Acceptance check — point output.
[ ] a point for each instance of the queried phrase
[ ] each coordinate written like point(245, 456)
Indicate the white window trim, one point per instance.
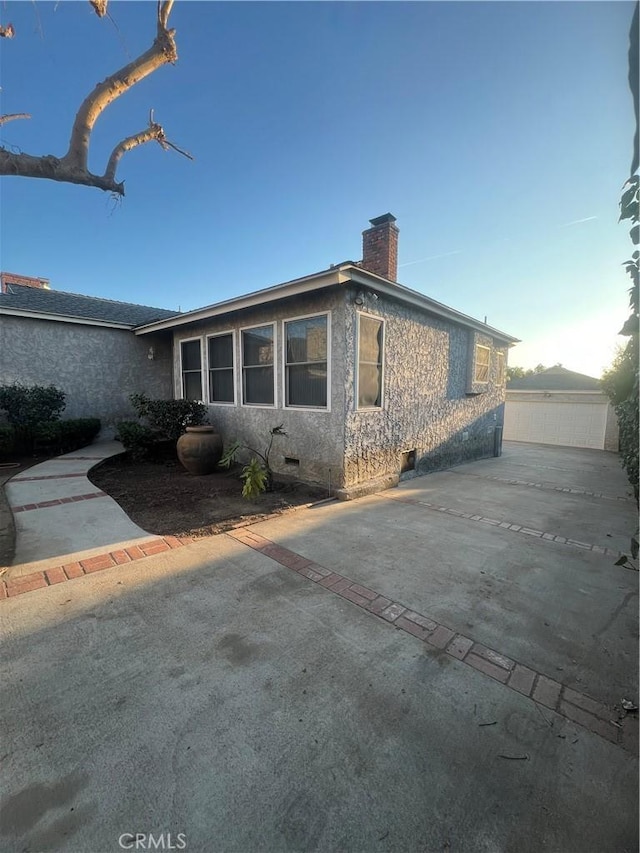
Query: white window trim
point(273, 405)
point(501, 356)
point(476, 347)
point(326, 408)
point(382, 371)
point(202, 370)
point(231, 332)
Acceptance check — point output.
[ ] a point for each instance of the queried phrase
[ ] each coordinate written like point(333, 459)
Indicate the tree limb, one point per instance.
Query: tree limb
point(162, 51)
point(13, 117)
point(153, 132)
point(73, 166)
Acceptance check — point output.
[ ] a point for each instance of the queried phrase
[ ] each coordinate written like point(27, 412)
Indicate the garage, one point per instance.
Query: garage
point(561, 407)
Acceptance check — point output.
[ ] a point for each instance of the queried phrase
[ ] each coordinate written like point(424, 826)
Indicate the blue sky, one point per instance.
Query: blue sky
point(498, 133)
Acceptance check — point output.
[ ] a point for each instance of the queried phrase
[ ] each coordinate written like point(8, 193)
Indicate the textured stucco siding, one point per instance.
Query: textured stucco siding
point(314, 437)
point(96, 367)
point(426, 404)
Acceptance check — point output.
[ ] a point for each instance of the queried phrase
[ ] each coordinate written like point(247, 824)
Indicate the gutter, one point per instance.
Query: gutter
point(64, 318)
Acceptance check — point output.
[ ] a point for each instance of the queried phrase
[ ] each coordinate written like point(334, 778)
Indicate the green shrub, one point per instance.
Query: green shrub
point(136, 438)
point(7, 441)
point(169, 417)
point(65, 436)
point(26, 407)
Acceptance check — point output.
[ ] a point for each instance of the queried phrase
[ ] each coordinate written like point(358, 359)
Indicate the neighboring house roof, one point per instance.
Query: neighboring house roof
point(555, 379)
point(344, 274)
point(56, 304)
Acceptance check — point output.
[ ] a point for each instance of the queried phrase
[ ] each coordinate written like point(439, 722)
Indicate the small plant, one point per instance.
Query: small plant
point(257, 473)
point(170, 418)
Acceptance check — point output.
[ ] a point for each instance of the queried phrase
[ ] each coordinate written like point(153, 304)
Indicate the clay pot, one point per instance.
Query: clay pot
point(200, 449)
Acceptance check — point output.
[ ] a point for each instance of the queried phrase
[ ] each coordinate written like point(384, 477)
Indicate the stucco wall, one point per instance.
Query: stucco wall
point(314, 437)
point(96, 367)
point(427, 406)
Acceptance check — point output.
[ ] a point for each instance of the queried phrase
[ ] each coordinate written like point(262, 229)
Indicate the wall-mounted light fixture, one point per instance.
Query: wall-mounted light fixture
point(151, 354)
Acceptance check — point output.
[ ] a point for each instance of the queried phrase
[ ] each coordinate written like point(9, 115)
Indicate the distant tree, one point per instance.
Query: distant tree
point(73, 166)
point(520, 372)
point(621, 381)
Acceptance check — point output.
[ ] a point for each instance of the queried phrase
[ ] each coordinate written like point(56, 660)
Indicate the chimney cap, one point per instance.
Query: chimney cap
point(383, 220)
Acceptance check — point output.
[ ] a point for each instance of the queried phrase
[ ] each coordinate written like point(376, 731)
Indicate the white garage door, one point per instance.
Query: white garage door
point(568, 424)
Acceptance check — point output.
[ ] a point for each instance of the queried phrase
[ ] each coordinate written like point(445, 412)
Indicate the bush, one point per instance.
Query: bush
point(170, 418)
point(136, 438)
point(27, 407)
point(65, 436)
point(7, 441)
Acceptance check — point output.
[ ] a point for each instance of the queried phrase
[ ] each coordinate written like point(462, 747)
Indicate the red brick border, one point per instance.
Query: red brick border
point(45, 477)
point(504, 525)
point(576, 707)
point(59, 501)
point(70, 571)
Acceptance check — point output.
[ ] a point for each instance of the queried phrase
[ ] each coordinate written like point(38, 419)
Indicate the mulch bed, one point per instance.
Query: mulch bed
point(163, 498)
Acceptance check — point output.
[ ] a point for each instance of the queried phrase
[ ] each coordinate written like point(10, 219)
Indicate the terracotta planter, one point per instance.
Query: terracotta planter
point(200, 449)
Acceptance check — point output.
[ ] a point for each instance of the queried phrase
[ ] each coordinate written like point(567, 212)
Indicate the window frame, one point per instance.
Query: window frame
point(477, 381)
point(274, 363)
point(299, 408)
point(501, 368)
point(182, 372)
point(208, 337)
point(382, 321)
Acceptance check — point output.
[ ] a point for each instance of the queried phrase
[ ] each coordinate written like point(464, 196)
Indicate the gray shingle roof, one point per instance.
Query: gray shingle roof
point(82, 307)
point(555, 379)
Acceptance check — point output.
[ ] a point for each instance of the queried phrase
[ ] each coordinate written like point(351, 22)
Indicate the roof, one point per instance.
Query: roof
point(57, 304)
point(555, 379)
point(343, 274)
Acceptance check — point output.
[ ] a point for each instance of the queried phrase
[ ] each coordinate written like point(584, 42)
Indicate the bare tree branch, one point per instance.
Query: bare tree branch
point(100, 7)
point(13, 117)
point(162, 51)
point(73, 166)
point(153, 132)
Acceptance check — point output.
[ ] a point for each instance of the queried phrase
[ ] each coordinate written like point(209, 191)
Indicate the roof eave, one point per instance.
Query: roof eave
point(419, 300)
point(298, 286)
point(63, 318)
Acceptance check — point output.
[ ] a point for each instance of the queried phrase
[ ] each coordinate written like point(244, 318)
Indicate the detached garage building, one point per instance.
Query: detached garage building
point(561, 407)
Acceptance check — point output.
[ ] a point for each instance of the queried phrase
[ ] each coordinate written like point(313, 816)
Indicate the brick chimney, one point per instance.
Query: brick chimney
point(380, 247)
point(7, 278)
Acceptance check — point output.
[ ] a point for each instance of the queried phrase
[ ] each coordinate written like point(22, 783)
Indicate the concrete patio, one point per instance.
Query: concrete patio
point(210, 690)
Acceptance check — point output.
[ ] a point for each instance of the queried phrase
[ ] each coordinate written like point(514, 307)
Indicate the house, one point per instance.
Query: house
point(82, 345)
point(559, 406)
point(369, 378)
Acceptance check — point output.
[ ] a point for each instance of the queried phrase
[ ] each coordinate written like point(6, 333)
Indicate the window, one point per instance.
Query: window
point(482, 361)
point(501, 369)
point(305, 364)
point(221, 385)
point(370, 350)
point(191, 366)
point(257, 366)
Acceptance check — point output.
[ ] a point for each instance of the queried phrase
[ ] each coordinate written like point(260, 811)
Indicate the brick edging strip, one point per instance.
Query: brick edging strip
point(69, 571)
point(574, 706)
point(45, 477)
point(505, 525)
point(58, 501)
point(548, 488)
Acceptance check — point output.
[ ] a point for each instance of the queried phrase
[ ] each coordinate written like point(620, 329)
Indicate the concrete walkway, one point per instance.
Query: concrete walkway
point(60, 516)
point(438, 668)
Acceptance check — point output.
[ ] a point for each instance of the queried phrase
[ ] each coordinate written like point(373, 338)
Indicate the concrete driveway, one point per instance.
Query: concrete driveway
point(434, 668)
